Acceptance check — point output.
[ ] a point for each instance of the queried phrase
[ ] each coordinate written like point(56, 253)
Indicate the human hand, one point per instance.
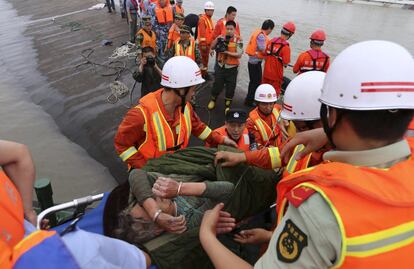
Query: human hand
point(175, 225)
point(210, 224)
point(211, 53)
point(227, 141)
point(226, 223)
point(228, 159)
point(143, 61)
point(253, 236)
point(165, 187)
point(31, 216)
point(313, 140)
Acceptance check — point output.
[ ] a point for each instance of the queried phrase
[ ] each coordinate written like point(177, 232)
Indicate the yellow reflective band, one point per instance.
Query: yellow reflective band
point(275, 114)
point(160, 133)
point(205, 133)
point(292, 162)
point(203, 39)
point(262, 130)
point(275, 157)
point(128, 153)
point(190, 48)
point(382, 241)
point(187, 119)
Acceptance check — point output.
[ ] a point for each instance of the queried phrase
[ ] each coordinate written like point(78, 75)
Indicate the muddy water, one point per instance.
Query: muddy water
point(344, 23)
point(72, 171)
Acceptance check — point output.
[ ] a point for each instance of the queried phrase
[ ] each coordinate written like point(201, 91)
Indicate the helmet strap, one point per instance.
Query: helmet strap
point(325, 123)
point(182, 96)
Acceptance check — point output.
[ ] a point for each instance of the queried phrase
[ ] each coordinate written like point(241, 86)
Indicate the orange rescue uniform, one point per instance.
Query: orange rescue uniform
point(149, 39)
point(173, 35)
point(244, 140)
point(410, 131)
point(178, 10)
point(276, 58)
point(205, 38)
point(189, 51)
point(311, 60)
point(148, 131)
point(220, 28)
point(374, 209)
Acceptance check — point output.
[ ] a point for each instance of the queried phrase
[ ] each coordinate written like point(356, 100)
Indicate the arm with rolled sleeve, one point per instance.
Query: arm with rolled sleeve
point(202, 131)
point(129, 136)
point(267, 158)
point(317, 224)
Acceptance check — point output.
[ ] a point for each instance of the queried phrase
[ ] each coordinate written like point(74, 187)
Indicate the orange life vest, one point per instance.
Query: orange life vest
point(251, 49)
point(274, 64)
point(164, 15)
point(410, 130)
point(317, 62)
point(11, 212)
point(222, 27)
point(373, 207)
point(173, 35)
point(179, 10)
point(189, 51)
point(159, 138)
point(148, 40)
point(270, 134)
point(209, 30)
point(231, 47)
point(244, 141)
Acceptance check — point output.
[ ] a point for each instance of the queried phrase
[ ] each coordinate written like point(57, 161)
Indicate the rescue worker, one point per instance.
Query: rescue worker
point(186, 45)
point(277, 57)
point(263, 120)
point(178, 7)
point(357, 209)
point(132, 10)
point(145, 36)
point(205, 35)
point(235, 128)
point(229, 50)
point(163, 19)
point(163, 120)
point(256, 51)
point(314, 59)
point(220, 28)
point(174, 32)
point(303, 112)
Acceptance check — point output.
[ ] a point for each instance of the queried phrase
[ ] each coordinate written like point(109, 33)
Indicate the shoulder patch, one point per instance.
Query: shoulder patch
point(290, 243)
point(298, 195)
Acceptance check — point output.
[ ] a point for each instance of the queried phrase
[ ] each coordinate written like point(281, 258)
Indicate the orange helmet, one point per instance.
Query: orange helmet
point(289, 27)
point(318, 35)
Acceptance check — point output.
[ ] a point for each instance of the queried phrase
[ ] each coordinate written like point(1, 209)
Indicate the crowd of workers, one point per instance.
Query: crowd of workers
point(342, 136)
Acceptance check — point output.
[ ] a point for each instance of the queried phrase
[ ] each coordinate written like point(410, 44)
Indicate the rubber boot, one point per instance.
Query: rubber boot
point(212, 104)
point(228, 104)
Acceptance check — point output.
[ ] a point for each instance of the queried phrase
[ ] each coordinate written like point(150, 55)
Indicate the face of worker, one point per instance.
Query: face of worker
point(302, 126)
point(189, 96)
point(230, 30)
point(184, 36)
point(148, 54)
point(265, 108)
point(209, 12)
point(231, 16)
point(147, 26)
point(179, 22)
point(235, 129)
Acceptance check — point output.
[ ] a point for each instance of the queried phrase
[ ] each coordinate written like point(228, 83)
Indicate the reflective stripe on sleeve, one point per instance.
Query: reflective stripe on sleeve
point(128, 153)
point(205, 133)
point(275, 157)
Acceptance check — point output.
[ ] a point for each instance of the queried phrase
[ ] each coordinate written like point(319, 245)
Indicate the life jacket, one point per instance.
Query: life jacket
point(318, 61)
point(309, 160)
point(231, 47)
point(410, 130)
point(274, 47)
point(189, 51)
point(251, 48)
point(173, 35)
point(160, 139)
point(148, 40)
point(373, 207)
point(11, 212)
point(178, 10)
point(273, 67)
point(43, 249)
point(244, 141)
point(222, 25)
point(270, 135)
point(164, 15)
point(209, 26)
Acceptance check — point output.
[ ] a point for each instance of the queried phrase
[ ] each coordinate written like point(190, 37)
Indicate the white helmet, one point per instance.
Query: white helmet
point(265, 93)
point(301, 99)
point(371, 75)
point(181, 72)
point(209, 5)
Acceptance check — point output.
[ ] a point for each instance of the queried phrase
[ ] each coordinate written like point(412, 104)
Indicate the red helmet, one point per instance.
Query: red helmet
point(290, 27)
point(318, 35)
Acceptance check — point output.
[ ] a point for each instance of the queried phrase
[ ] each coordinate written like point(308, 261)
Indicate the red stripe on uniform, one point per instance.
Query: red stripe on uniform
point(388, 90)
point(387, 84)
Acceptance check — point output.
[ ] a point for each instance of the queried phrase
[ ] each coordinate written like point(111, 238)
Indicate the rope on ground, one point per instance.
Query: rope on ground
point(124, 51)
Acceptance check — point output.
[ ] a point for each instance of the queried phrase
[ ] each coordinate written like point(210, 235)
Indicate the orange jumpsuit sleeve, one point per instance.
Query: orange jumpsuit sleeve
point(129, 137)
point(327, 66)
point(299, 63)
point(202, 32)
point(267, 158)
point(202, 131)
point(171, 36)
point(285, 54)
point(217, 29)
